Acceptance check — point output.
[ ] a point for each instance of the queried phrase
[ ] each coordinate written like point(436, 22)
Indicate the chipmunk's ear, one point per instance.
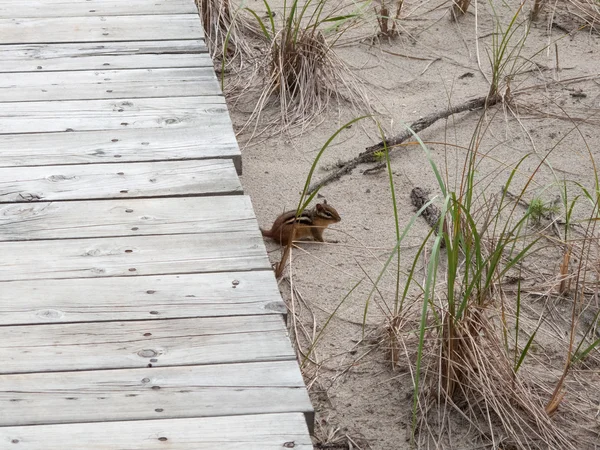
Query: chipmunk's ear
point(319, 207)
point(324, 201)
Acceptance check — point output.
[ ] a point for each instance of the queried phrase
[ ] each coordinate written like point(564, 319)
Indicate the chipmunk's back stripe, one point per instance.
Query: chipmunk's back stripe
point(303, 219)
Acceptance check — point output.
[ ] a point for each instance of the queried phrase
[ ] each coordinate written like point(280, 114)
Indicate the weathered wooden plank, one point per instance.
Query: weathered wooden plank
point(70, 8)
point(133, 255)
point(139, 298)
point(206, 141)
point(130, 217)
point(210, 139)
point(148, 343)
point(103, 56)
point(117, 114)
point(136, 394)
point(255, 432)
point(92, 85)
point(100, 29)
point(131, 180)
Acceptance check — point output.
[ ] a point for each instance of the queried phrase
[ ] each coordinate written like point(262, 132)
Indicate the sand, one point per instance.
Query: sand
point(362, 399)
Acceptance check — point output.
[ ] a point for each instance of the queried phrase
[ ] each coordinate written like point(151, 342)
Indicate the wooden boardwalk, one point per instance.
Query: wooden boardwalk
point(138, 309)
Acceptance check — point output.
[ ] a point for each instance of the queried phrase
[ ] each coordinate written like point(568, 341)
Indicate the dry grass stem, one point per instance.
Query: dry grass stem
point(224, 31)
point(460, 7)
point(584, 13)
point(537, 7)
point(565, 280)
point(388, 24)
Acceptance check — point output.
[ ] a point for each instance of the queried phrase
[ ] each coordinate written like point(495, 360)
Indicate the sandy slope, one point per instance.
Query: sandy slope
point(355, 390)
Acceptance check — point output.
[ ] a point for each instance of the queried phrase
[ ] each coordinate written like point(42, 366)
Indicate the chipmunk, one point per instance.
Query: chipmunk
point(311, 223)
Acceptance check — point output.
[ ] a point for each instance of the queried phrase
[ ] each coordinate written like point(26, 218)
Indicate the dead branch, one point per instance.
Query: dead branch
point(425, 122)
point(431, 213)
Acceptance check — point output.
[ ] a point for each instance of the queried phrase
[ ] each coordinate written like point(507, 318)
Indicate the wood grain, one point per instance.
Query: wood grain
point(100, 28)
point(136, 394)
point(129, 217)
point(118, 114)
point(131, 180)
point(138, 307)
point(70, 8)
point(92, 85)
point(148, 343)
point(104, 55)
point(253, 432)
point(139, 298)
point(133, 256)
point(210, 139)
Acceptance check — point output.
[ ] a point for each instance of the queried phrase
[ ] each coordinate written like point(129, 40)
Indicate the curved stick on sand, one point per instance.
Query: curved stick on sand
point(417, 126)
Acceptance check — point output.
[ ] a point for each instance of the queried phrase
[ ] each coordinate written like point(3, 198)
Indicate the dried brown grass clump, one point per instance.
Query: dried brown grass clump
point(223, 30)
point(291, 58)
point(302, 72)
point(388, 23)
point(585, 13)
point(299, 67)
point(474, 376)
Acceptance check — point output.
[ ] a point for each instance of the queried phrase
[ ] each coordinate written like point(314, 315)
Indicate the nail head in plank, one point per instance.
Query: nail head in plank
point(150, 255)
point(252, 432)
point(94, 85)
point(132, 298)
point(117, 114)
point(70, 8)
point(154, 343)
point(103, 56)
point(210, 139)
point(131, 180)
point(137, 394)
point(132, 217)
point(100, 29)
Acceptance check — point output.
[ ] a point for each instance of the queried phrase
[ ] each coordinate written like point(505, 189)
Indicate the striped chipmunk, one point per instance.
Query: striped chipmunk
point(310, 224)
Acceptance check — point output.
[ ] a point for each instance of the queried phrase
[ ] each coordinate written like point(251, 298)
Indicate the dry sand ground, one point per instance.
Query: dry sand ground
point(433, 63)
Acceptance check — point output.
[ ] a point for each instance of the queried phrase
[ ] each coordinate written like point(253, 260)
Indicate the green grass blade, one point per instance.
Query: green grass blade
point(580, 356)
point(526, 349)
point(270, 15)
point(389, 260)
point(261, 23)
point(429, 292)
point(396, 219)
point(314, 344)
point(302, 204)
point(438, 176)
